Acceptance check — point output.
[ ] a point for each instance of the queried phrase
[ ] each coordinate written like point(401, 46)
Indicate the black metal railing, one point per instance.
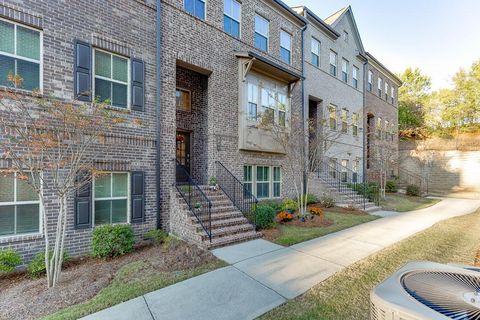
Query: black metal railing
point(407, 177)
point(237, 192)
point(349, 183)
point(198, 203)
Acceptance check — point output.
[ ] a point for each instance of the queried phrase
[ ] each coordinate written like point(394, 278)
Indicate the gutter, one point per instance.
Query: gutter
point(158, 107)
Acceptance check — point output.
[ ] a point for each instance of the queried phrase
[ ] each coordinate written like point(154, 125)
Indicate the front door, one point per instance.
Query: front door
point(183, 155)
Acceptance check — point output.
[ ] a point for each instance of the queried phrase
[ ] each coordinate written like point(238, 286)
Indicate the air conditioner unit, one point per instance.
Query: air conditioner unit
point(427, 290)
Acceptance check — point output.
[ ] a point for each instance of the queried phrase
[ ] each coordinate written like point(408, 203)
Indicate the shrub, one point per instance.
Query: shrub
point(289, 205)
point(327, 201)
point(391, 186)
point(275, 204)
point(212, 181)
point(155, 236)
point(311, 199)
point(316, 211)
point(284, 216)
point(370, 190)
point(413, 190)
point(112, 240)
point(265, 216)
point(36, 267)
point(9, 260)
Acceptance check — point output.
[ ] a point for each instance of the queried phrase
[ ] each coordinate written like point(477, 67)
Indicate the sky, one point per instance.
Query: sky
point(439, 37)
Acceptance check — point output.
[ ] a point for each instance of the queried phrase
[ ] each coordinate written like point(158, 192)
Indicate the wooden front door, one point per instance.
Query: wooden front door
point(183, 155)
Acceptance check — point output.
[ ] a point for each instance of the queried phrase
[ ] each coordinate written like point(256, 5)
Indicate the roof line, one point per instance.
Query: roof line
point(293, 13)
point(344, 9)
point(320, 21)
point(382, 66)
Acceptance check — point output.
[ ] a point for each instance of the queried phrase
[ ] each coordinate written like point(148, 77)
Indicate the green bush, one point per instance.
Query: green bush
point(289, 205)
point(370, 190)
point(413, 190)
point(311, 199)
point(275, 204)
point(265, 216)
point(9, 260)
point(156, 236)
point(36, 267)
point(391, 186)
point(112, 240)
point(327, 201)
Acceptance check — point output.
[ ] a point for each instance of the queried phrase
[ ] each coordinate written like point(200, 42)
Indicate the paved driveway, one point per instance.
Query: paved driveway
point(264, 275)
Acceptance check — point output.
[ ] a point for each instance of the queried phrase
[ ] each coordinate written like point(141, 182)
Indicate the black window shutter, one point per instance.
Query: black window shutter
point(83, 207)
point(138, 85)
point(138, 197)
point(82, 69)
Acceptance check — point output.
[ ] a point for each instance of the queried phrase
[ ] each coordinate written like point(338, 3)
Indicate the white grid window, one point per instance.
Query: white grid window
point(19, 206)
point(380, 87)
point(231, 17)
point(285, 46)
point(263, 181)
point(370, 80)
point(315, 52)
point(392, 94)
point(112, 78)
point(345, 70)
point(111, 198)
point(261, 32)
point(355, 72)
point(21, 55)
point(333, 63)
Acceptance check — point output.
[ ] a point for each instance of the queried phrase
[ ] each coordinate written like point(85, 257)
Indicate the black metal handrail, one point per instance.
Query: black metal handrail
point(237, 192)
point(409, 177)
point(349, 183)
point(197, 201)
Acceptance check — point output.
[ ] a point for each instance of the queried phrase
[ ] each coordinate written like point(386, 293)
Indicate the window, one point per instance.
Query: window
point(393, 133)
point(111, 201)
point(344, 121)
point(20, 54)
point(345, 36)
point(370, 80)
point(332, 167)
point(19, 206)
point(344, 70)
point(111, 78)
point(231, 17)
point(248, 180)
point(285, 46)
point(344, 169)
point(332, 110)
point(355, 166)
point(195, 7)
point(379, 128)
point(355, 124)
point(315, 52)
point(355, 72)
point(277, 182)
point(268, 107)
point(386, 90)
point(267, 100)
point(392, 94)
point(387, 130)
point(333, 63)
point(261, 33)
point(263, 181)
point(252, 102)
point(282, 108)
point(183, 100)
point(380, 87)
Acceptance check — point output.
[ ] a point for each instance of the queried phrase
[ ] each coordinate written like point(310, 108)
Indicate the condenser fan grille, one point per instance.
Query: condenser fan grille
point(454, 295)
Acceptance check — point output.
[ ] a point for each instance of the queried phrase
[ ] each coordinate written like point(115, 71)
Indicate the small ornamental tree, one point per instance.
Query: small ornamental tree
point(51, 144)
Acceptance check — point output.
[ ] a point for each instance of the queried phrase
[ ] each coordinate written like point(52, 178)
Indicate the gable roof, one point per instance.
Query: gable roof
point(308, 14)
point(335, 18)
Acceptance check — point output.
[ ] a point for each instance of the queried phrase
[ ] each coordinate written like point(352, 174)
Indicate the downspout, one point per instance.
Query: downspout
point(304, 113)
point(158, 106)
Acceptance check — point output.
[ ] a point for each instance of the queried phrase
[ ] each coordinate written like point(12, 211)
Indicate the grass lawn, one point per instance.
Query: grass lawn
point(288, 235)
point(346, 294)
point(402, 203)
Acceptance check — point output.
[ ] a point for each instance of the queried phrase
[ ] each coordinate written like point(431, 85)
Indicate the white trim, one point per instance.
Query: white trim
point(127, 197)
point(240, 17)
point(15, 56)
point(267, 36)
point(128, 83)
point(271, 182)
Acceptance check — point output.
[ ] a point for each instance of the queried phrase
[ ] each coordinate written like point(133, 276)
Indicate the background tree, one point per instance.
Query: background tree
point(51, 145)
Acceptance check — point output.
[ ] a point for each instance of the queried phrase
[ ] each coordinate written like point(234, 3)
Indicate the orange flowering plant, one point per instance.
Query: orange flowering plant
point(284, 216)
point(316, 211)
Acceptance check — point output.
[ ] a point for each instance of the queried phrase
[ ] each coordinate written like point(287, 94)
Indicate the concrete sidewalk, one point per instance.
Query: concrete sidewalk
point(264, 275)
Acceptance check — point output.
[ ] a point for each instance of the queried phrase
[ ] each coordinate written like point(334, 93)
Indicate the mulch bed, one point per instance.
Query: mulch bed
point(345, 210)
point(310, 222)
point(24, 298)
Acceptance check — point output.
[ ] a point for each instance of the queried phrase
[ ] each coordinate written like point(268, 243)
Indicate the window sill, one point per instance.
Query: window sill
point(22, 237)
point(127, 110)
point(36, 94)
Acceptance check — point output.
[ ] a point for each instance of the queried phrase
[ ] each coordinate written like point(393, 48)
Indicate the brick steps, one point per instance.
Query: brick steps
point(229, 240)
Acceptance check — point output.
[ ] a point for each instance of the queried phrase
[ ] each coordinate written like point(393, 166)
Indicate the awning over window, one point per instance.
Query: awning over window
point(259, 63)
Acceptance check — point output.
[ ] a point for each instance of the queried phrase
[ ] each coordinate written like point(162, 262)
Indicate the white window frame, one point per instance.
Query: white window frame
point(355, 72)
point(289, 37)
point(370, 81)
point(194, 13)
point(228, 15)
point(334, 55)
point(386, 90)
point(128, 83)
point(379, 87)
point(264, 35)
point(16, 203)
point(270, 181)
point(15, 56)
point(355, 124)
point(333, 108)
point(345, 64)
point(344, 119)
point(318, 45)
point(276, 181)
point(392, 94)
point(128, 197)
